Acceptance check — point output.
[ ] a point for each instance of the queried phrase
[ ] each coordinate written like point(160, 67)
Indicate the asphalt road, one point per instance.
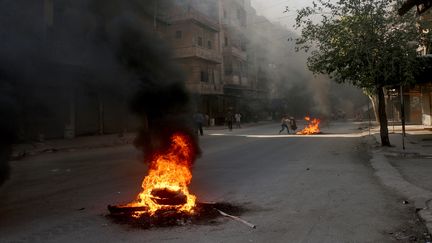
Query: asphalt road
point(297, 189)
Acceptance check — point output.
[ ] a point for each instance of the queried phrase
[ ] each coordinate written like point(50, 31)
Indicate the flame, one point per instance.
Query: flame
point(311, 128)
point(170, 172)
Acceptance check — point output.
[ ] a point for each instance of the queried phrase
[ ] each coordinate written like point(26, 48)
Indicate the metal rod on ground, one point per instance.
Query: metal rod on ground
point(237, 219)
point(402, 116)
point(208, 203)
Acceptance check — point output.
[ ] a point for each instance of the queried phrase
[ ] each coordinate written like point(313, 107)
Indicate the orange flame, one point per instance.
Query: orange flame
point(311, 128)
point(171, 172)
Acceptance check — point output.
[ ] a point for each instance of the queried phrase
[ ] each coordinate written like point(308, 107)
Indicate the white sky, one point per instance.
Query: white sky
point(274, 10)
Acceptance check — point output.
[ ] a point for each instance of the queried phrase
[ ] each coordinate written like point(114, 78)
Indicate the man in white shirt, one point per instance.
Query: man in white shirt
point(237, 117)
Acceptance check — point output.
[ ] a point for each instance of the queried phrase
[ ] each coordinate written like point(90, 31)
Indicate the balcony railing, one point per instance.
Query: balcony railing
point(236, 80)
point(209, 55)
point(205, 88)
point(239, 53)
point(198, 17)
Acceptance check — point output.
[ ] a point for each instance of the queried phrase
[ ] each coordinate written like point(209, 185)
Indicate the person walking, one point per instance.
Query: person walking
point(293, 123)
point(207, 120)
point(284, 124)
point(229, 120)
point(199, 120)
point(237, 117)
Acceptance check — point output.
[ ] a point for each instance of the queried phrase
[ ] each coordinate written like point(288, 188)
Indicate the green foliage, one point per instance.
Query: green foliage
point(363, 42)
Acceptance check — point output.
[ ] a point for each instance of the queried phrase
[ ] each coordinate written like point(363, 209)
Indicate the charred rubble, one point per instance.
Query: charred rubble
point(205, 213)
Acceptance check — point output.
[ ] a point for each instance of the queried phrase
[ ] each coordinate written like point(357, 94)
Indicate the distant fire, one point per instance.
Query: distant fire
point(312, 127)
point(166, 185)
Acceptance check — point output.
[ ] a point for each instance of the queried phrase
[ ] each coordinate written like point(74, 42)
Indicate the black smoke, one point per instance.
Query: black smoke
point(107, 46)
point(7, 126)
point(161, 100)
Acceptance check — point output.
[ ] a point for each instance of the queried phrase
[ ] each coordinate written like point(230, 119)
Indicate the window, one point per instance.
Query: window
point(178, 34)
point(224, 14)
point(204, 76)
point(209, 44)
point(200, 41)
point(228, 70)
point(226, 41)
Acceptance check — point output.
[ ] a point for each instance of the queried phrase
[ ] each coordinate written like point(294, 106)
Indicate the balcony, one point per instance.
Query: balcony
point(204, 88)
point(237, 52)
point(206, 54)
point(240, 81)
point(197, 17)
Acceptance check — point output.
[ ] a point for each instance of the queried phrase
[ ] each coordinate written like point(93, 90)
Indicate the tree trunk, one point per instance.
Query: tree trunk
point(374, 101)
point(382, 115)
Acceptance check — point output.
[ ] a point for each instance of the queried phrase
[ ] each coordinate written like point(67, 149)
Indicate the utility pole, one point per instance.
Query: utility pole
point(155, 14)
point(369, 116)
point(390, 105)
point(402, 116)
point(48, 9)
point(101, 114)
point(70, 126)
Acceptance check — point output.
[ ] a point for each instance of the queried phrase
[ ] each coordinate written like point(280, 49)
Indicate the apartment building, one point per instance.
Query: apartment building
point(234, 42)
point(194, 35)
point(225, 55)
point(57, 85)
point(209, 40)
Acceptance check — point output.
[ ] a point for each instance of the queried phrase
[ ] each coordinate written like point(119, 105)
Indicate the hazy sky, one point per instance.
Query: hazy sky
point(274, 10)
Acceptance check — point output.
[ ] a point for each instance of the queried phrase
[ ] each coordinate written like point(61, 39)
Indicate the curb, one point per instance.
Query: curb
point(426, 215)
point(48, 147)
point(391, 178)
point(19, 154)
point(243, 125)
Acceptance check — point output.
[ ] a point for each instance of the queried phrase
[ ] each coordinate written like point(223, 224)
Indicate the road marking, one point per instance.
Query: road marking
point(348, 135)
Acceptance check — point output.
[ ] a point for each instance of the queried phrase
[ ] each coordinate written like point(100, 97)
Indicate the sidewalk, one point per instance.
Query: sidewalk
point(407, 171)
point(415, 161)
point(243, 125)
point(80, 143)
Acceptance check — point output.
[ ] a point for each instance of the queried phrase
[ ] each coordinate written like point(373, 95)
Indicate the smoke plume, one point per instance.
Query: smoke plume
point(161, 100)
point(106, 47)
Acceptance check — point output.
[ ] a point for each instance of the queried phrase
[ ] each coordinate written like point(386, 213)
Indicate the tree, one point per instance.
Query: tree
point(362, 42)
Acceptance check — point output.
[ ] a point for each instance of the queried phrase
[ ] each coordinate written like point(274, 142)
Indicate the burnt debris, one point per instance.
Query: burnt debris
point(205, 213)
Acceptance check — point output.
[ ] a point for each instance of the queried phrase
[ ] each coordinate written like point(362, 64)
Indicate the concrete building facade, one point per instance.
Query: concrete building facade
point(194, 34)
point(211, 41)
point(418, 97)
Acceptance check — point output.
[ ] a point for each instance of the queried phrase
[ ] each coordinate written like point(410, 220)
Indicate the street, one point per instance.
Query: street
point(296, 189)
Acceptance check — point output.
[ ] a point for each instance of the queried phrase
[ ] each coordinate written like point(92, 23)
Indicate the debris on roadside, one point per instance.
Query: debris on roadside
point(206, 213)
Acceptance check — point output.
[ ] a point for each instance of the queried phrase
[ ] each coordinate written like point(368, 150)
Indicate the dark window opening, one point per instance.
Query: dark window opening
point(228, 70)
point(226, 41)
point(204, 76)
point(179, 34)
point(200, 41)
point(209, 45)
